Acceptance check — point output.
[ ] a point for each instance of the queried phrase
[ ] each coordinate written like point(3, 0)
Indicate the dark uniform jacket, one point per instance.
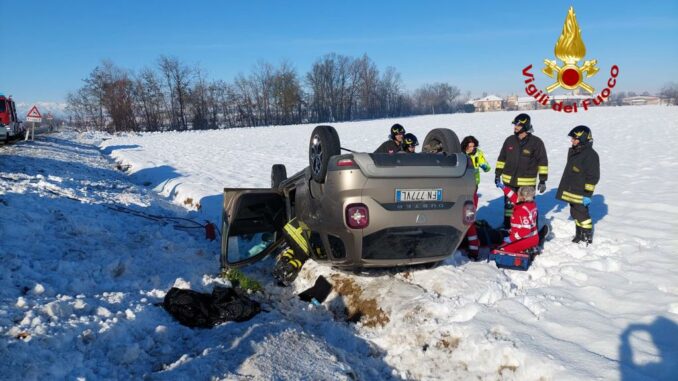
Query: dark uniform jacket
point(388, 146)
point(580, 176)
point(520, 162)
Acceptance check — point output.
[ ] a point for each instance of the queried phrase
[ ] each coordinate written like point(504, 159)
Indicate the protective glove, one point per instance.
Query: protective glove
point(586, 201)
point(484, 167)
point(541, 187)
point(497, 182)
point(507, 239)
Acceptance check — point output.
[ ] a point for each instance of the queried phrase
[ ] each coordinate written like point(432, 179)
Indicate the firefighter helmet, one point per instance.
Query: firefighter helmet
point(410, 140)
point(397, 129)
point(581, 133)
point(524, 121)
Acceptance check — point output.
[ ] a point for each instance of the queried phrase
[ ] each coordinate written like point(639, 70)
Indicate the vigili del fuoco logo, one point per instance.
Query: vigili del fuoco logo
point(570, 76)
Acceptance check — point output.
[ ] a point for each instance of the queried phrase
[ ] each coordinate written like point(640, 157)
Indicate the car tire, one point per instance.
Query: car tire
point(324, 144)
point(446, 137)
point(278, 175)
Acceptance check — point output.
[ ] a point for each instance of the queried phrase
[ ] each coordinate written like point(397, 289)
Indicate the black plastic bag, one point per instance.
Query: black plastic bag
point(196, 309)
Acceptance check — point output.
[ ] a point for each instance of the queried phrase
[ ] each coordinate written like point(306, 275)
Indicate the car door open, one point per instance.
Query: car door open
point(251, 225)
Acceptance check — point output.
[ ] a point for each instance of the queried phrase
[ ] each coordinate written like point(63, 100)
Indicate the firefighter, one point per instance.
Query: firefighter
point(294, 252)
point(410, 143)
point(395, 142)
point(470, 146)
point(522, 162)
point(580, 177)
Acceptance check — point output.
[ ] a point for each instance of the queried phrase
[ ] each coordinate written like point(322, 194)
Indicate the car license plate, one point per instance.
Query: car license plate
point(409, 195)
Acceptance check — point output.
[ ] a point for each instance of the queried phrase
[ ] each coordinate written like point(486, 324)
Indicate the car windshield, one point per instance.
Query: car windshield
point(2, 105)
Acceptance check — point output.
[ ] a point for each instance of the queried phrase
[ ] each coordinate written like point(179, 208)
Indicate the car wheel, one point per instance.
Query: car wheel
point(278, 174)
point(324, 144)
point(445, 137)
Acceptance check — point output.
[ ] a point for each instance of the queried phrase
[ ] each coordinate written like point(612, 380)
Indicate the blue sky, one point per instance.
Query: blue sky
point(49, 46)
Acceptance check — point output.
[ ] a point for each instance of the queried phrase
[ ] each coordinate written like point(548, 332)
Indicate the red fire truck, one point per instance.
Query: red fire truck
point(10, 126)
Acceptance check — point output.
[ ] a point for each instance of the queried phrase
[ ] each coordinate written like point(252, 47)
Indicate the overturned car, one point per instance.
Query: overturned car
point(358, 209)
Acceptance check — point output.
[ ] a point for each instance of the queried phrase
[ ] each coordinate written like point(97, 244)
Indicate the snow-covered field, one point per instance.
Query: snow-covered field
point(80, 281)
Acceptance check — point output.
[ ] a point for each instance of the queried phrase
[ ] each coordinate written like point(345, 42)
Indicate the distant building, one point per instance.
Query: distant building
point(488, 103)
point(641, 100)
point(514, 102)
point(667, 101)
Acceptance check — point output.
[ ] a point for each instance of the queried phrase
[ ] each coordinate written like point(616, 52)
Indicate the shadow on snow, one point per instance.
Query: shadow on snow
point(664, 335)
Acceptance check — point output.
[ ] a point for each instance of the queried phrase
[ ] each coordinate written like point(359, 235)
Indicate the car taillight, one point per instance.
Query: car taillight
point(468, 213)
point(358, 216)
point(345, 163)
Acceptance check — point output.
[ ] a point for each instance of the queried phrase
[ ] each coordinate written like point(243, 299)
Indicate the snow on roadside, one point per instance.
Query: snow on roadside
point(80, 283)
point(603, 311)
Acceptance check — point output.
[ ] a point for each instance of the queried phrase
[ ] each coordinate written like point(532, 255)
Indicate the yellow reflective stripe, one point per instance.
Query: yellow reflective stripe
point(571, 200)
point(506, 178)
point(577, 223)
point(508, 212)
point(297, 237)
point(500, 164)
point(587, 224)
point(543, 170)
point(296, 263)
point(522, 181)
point(589, 187)
point(572, 195)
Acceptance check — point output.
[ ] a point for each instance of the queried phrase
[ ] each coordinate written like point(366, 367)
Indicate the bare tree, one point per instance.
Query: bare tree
point(368, 75)
point(118, 97)
point(670, 93)
point(83, 108)
point(94, 87)
point(391, 94)
point(333, 87)
point(246, 108)
point(149, 99)
point(287, 95)
point(616, 99)
point(178, 97)
point(178, 78)
point(436, 98)
point(199, 101)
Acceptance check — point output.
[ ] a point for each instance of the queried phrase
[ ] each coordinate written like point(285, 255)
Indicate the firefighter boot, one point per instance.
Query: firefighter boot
point(587, 236)
point(578, 235)
point(287, 267)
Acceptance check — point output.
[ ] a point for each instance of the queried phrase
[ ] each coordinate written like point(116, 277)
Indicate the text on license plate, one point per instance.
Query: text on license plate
point(404, 195)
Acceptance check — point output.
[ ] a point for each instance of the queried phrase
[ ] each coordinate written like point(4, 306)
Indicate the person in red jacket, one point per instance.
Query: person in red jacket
point(523, 234)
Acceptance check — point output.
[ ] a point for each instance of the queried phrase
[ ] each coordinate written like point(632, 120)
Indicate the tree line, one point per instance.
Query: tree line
point(175, 96)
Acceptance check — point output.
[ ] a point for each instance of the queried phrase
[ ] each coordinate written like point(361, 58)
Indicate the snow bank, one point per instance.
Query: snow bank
point(80, 280)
